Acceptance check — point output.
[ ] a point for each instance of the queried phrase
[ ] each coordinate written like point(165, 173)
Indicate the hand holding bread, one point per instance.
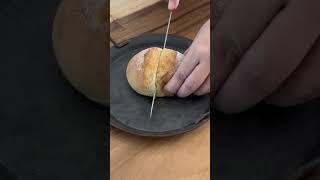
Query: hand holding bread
point(193, 75)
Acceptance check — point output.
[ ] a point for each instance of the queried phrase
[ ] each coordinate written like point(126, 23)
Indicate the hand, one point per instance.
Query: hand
point(173, 4)
point(266, 50)
point(192, 76)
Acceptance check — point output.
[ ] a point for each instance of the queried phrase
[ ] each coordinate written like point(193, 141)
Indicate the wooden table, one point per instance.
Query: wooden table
point(182, 157)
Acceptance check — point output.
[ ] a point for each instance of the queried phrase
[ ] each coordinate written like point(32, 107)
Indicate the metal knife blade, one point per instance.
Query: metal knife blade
point(164, 45)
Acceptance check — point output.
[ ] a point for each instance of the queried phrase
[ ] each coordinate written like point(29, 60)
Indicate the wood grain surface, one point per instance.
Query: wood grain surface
point(123, 8)
point(182, 157)
point(155, 18)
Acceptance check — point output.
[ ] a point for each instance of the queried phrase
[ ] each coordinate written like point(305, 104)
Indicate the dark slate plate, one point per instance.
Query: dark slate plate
point(129, 111)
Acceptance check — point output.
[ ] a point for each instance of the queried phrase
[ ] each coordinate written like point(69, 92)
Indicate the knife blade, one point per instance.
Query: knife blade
point(164, 45)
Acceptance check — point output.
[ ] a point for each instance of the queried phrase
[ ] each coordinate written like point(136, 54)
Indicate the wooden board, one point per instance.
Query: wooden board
point(190, 22)
point(154, 17)
point(183, 157)
point(123, 8)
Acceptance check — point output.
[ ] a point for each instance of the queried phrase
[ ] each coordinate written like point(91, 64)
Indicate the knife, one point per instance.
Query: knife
point(164, 45)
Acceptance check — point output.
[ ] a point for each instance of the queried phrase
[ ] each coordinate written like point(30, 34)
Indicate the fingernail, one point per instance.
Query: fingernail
point(167, 90)
point(169, 94)
point(198, 93)
point(171, 5)
point(182, 94)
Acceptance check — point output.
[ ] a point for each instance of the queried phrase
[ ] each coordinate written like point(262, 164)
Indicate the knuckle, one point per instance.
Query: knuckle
point(181, 75)
point(199, 93)
point(190, 87)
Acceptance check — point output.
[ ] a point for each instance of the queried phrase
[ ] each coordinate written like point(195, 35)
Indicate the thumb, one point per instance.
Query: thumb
point(173, 4)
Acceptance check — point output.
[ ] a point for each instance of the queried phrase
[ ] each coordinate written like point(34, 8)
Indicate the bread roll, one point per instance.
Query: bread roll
point(141, 70)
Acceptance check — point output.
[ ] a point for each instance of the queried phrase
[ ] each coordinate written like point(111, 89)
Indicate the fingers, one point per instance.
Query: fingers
point(303, 85)
point(195, 66)
point(173, 4)
point(194, 80)
point(273, 57)
point(239, 27)
point(204, 88)
point(184, 70)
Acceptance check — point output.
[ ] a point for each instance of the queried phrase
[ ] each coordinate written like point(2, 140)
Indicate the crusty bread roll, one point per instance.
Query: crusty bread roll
point(141, 70)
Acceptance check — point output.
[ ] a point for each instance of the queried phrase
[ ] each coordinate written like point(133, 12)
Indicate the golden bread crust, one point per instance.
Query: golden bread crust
point(141, 70)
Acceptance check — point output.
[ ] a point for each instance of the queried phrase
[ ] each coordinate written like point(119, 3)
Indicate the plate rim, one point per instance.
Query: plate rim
point(117, 124)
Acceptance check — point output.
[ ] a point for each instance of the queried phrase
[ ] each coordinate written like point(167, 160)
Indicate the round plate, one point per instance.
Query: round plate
point(129, 110)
